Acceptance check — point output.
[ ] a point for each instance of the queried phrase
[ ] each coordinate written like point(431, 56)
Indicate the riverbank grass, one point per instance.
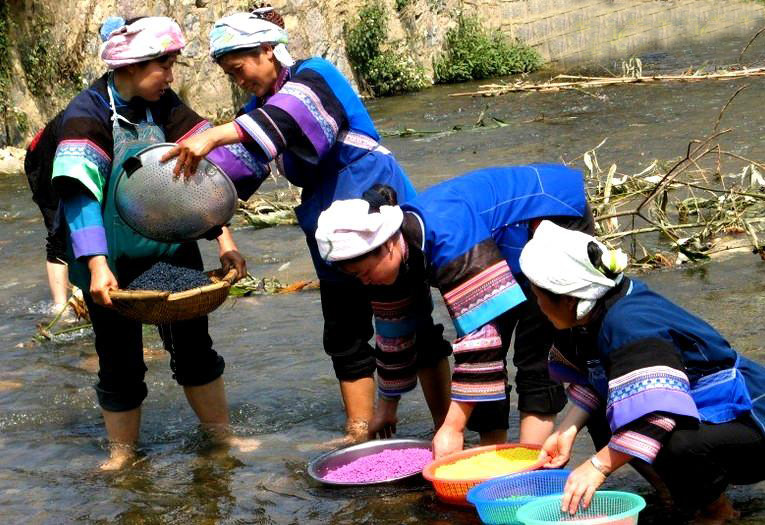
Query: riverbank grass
point(473, 52)
point(381, 69)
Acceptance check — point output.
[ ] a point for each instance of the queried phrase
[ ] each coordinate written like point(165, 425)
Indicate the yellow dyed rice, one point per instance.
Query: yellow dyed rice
point(489, 464)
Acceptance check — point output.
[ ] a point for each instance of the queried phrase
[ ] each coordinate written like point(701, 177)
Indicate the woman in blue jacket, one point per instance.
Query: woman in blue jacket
point(306, 117)
point(654, 384)
point(464, 236)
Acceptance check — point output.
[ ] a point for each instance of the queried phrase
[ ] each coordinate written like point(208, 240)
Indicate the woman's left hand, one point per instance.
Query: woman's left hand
point(232, 259)
point(190, 152)
point(580, 487)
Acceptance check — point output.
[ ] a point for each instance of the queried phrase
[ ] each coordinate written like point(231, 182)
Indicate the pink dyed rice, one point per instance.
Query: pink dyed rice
point(381, 466)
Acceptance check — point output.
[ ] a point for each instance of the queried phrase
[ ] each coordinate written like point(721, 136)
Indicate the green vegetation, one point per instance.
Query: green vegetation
point(473, 52)
point(5, 68)
point(48, 68)
point(381, 70)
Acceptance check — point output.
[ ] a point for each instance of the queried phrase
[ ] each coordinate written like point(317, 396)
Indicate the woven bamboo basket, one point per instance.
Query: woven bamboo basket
point(161, 307)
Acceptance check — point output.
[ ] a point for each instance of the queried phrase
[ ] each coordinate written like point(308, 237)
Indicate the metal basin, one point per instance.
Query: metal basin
point(166, 208)
point(321, 465)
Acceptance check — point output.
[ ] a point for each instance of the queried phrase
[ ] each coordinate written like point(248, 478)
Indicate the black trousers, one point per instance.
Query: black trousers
point(699, 461)
point(119, 345)
point(537, 393)
point(348, 327)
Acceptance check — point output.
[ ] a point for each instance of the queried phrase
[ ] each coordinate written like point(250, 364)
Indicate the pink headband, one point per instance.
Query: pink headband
point(144, 39)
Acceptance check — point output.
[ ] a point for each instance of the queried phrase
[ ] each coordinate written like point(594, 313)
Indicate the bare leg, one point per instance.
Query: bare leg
point(358, 398)
point(58, 281)
point(210, 405)
point(535, 428)
point(435, 382)
point(122, 429)
point(493, 437)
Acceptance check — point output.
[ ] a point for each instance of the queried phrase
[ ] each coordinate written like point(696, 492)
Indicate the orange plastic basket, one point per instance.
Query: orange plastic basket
point(454, 491)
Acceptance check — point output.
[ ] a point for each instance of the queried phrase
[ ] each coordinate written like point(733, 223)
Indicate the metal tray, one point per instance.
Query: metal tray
point(319, 466)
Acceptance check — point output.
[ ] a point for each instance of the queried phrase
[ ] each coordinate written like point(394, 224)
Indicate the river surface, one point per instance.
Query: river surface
point(280, 384)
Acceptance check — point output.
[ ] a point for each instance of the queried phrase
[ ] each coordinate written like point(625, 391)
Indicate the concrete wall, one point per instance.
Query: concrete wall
point(574, 31)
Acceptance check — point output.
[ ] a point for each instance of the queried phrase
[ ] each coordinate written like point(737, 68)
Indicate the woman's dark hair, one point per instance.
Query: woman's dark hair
point(596, 258)
point(269, 16)
point(380, 195)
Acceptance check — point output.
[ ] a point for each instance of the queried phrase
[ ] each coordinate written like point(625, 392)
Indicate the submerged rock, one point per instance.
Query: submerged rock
point(11, 160)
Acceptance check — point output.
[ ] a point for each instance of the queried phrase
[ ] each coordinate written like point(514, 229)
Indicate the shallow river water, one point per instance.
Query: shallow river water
point(280, 384)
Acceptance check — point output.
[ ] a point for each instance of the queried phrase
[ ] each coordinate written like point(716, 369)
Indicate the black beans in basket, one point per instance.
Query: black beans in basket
point(166, 277)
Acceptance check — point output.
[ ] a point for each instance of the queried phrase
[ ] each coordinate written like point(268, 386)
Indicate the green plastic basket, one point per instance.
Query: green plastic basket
point(606, 508)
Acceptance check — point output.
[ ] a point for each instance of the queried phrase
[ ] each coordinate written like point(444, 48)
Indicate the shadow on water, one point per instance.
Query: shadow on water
point(280, 383)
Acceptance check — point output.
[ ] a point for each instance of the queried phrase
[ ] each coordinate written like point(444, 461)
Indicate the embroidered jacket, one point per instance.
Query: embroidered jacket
point(646, 363)
point(471, 231)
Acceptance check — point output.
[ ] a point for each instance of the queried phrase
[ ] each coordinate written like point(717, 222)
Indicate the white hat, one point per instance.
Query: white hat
point(346, 229)
point(557, 259)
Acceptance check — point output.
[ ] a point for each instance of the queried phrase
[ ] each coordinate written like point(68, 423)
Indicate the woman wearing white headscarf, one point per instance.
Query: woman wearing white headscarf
point(306, 116)
point(654, 384)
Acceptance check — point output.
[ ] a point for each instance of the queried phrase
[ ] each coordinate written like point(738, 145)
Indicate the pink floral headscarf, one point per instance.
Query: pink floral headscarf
point(144, 39)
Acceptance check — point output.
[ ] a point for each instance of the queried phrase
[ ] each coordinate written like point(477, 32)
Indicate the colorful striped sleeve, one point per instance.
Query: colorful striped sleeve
point(304, 116)
point(644, 437)
point(86, 226)
point(584, 397)
point(85, 161)
point(479, 366)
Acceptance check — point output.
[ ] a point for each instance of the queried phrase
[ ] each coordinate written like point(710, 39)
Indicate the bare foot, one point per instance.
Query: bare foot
point(243, 444)
point(717, 513)
point(356, 431)
point(120, 455)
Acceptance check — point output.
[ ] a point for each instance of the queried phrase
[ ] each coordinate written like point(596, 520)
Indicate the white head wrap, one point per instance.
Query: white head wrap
point(346, 229)
point(556, 259)
point(247, 31)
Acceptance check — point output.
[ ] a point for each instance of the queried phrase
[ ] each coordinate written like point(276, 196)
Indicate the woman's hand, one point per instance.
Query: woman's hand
point(194, 148)
point(101, 280)
point(383, 423)
point(447, 440)
point(232, 259)
point(580, 487)
point(229, 254)
point(558, 447)
point(190, 152)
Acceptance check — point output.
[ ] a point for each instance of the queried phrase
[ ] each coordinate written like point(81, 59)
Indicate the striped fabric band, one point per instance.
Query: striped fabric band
point(478, 392)
point(663, 422)
point(86, 225)
point(483, 297)
point(479, 367)
point(201, 126)
point(85, 161)
point(357, 140)
point(635, 444)
point(645, 390)
point(583, 397)
point(395, 327)
point(259, 135)
point(306, 109)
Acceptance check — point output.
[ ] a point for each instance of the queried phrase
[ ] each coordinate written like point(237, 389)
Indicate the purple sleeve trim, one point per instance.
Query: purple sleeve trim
point(307, 122)
point(89, 241)
point(627, 410)
point(244, 170)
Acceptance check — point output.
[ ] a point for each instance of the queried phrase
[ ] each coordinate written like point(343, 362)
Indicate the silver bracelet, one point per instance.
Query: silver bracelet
point(599, 466)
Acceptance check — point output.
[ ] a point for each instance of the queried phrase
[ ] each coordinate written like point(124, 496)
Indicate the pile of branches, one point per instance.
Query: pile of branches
point(633, 75)
point(271, 209)
point(708, 201)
